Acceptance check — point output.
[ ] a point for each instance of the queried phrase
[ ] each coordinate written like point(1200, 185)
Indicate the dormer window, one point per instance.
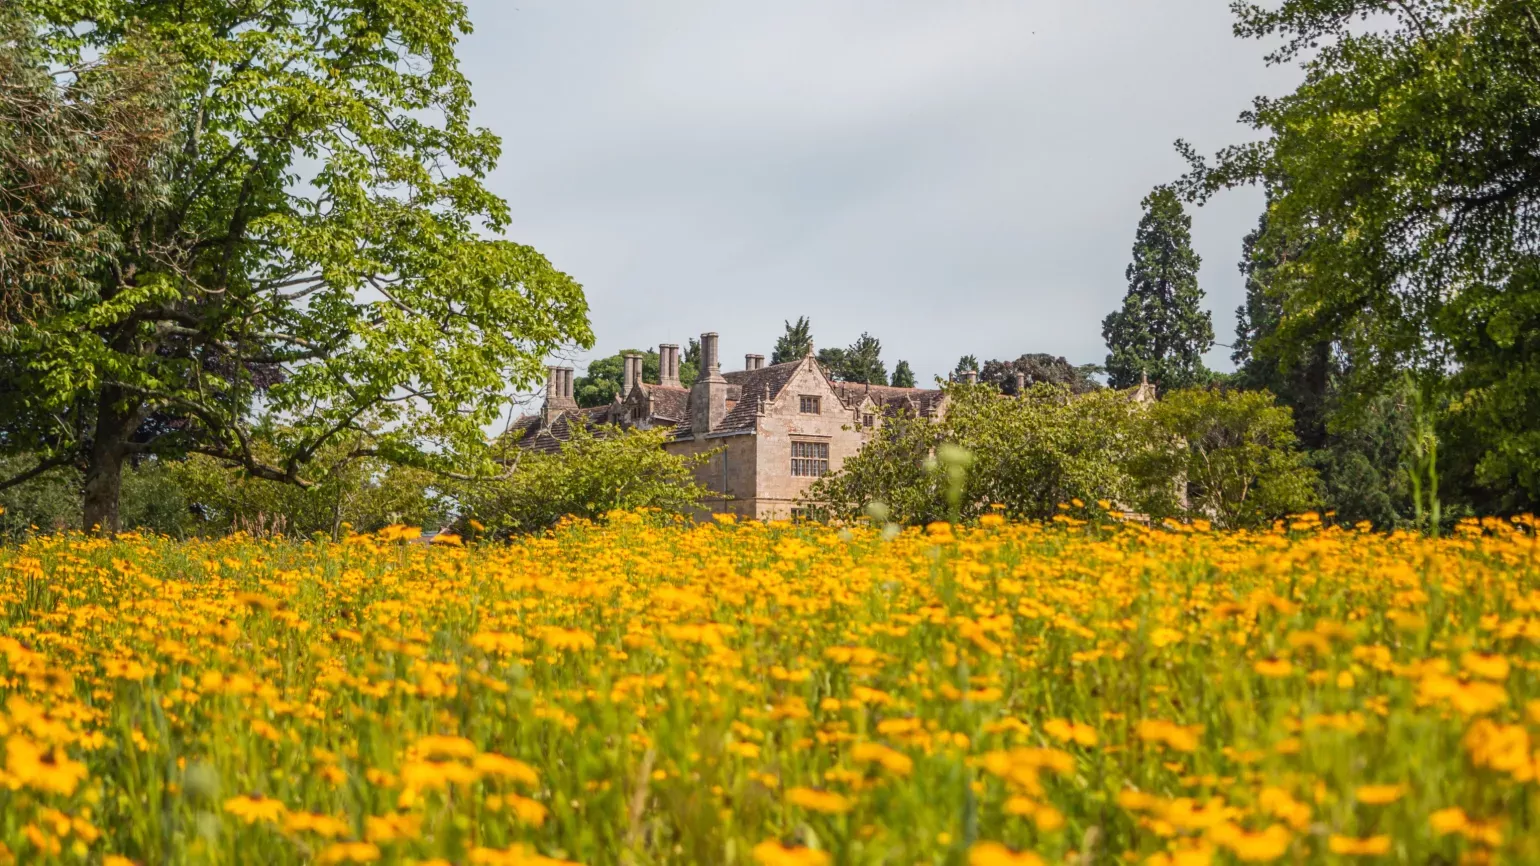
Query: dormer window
point(868, 420)
point(810, 405)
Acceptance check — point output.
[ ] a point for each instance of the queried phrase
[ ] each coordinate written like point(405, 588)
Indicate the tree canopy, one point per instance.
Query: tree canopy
point(1404, 210)
point(860, 362)
point(313, 235)
point(795, 344)
point(1040, 369)
point(1161, 330)
point(903, 376)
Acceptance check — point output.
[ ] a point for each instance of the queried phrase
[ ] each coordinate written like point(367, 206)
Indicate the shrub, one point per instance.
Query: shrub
point(592, 474)
point(1027, 454)
point(1239, 456)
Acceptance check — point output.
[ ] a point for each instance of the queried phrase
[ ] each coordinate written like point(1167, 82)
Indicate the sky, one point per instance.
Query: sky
point(955, 178)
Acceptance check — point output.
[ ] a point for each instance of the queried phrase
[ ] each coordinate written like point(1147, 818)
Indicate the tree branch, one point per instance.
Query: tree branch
point(39, 469)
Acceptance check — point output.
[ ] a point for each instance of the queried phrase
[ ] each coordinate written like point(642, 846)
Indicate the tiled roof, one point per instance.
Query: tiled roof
point(672, 404)
point(747, 390)
point(889, 399)
point(530, 433)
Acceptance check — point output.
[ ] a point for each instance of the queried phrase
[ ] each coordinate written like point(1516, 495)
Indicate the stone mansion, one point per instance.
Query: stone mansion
point(774, 428)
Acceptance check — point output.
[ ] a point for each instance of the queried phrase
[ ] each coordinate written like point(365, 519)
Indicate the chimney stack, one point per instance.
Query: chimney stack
point(668, 365)
point(972, 377)
point(708, 397)
point(753, 362)
point(558, 393)
point(1021, 383)
point(632, 375)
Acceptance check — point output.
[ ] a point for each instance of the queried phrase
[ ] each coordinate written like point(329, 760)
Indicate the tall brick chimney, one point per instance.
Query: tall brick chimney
point(972, 377)
point(753, 362)
point(1021, 383)
point(708, 397)
point(668, 365)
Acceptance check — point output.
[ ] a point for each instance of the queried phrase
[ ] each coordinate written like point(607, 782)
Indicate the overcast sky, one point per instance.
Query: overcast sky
point(955, 177)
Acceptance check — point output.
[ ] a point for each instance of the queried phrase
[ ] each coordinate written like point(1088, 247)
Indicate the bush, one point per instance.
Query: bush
point(1028, 454)
point(1238, 454)
point(593, 473)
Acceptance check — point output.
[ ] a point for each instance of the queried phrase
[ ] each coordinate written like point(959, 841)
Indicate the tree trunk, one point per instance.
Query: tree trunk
point(115, 423)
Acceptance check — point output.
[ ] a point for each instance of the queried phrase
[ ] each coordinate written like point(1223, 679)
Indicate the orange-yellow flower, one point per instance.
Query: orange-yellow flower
point(995, 854)
point(252, 808)
point(827, 802)
point(1379, 795)
point(1371, 846)
point(773, 853)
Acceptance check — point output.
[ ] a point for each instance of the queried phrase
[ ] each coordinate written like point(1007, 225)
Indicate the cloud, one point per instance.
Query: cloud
point(954, 178)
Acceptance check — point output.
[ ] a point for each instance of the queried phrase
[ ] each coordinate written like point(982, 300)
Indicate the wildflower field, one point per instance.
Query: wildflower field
point(639, 692)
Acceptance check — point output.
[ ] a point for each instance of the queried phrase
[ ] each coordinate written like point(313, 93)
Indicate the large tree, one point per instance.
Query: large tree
point(861, 362)
point(795, 344)
point(903, 375)
point(1409, 158)
point(1161, 330)
point(318, 240)
point(1039, 369)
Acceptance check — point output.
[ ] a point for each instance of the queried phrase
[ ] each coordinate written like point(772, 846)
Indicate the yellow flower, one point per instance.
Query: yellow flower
point(567, 639)
point(1372, 846)
point(321, 825)
point(995, 854)
point(349, 852)
point(772, 853)
point(1446, 821)
point(827, 802)
point(891, 760)
point(1253, 847)
point(252, 808)
point(1274, 666)
point(43, 769)
point(491, 764)
point(1379, 795)
point(1067, 731)
point(1488, 666)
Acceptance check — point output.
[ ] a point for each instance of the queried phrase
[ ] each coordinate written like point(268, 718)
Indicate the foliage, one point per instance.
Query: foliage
point(1161, 330)
point(1027, 454)
point(1040, 369)
point(1361, 466)
point(1002, 694)
point(107, 128)
point(593, 472)
point(903, 376)
point(896, 469)
point(606, 376)
point(861, 362)
point(49, 501)
point(350, 492)
point(1405, 207)
point(319, 235)
point(795, 344)
point(965, 365)
point(1238, 455)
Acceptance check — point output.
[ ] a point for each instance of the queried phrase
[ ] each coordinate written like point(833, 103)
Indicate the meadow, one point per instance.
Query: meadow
point(639, 691)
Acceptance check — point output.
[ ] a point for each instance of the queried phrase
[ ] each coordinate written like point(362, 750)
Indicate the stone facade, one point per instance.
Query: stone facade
point(768, 428)
point(755, 423)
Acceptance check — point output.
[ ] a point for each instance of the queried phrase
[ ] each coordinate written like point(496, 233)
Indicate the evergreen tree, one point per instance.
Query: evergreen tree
point(903, 377)
point(965, 364)
point(1160, 331)
point(795, 344)
point(860, 362)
